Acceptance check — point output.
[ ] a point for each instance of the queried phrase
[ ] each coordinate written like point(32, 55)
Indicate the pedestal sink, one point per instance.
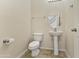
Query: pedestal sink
point(55, 35)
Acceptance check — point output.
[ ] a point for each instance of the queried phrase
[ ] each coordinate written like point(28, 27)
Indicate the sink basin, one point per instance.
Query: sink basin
point(55, 33)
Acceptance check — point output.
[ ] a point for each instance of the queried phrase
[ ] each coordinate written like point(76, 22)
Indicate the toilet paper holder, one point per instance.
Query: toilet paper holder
point(5, 41)
point(8, 41)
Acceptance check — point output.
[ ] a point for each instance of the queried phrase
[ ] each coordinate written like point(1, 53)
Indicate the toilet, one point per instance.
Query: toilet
point(34, 46)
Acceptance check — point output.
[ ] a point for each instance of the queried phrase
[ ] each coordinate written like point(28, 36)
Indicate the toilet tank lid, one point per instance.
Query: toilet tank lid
point(37, 33)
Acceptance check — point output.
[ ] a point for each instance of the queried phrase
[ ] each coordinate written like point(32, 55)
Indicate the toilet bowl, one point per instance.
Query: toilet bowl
point(35, 45)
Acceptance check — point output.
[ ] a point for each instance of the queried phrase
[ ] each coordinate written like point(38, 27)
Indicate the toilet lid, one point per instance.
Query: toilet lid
point(34, 44)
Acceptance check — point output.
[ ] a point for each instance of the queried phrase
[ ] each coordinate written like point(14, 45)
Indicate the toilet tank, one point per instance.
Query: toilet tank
point(38, 36)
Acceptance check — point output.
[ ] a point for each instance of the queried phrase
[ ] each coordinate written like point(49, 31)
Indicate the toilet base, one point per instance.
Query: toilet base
point(35, 52)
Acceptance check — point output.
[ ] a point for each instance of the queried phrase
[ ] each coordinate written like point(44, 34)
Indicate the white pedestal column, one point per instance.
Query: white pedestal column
point(56, 52)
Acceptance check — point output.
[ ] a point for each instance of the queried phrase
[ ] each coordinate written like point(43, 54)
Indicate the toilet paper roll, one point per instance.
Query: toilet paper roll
point(11, 40)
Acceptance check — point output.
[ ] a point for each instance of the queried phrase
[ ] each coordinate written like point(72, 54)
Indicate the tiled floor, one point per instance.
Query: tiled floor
point(44, 54)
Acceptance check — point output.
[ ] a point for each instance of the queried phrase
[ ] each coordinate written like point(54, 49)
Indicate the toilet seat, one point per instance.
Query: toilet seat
point(34, 44)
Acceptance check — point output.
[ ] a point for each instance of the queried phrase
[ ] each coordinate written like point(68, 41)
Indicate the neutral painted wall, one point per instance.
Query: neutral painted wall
point(15, 22)
point(69, 35)
point(41, 9)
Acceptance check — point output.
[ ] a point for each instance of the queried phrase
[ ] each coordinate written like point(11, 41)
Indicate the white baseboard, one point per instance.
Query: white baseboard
point(67, 54)
point(52, 49)
point(21, 54)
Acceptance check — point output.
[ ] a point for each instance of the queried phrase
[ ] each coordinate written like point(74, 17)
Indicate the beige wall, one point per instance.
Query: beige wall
point(69, 25)
point(15, 22)
point(41, 8)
